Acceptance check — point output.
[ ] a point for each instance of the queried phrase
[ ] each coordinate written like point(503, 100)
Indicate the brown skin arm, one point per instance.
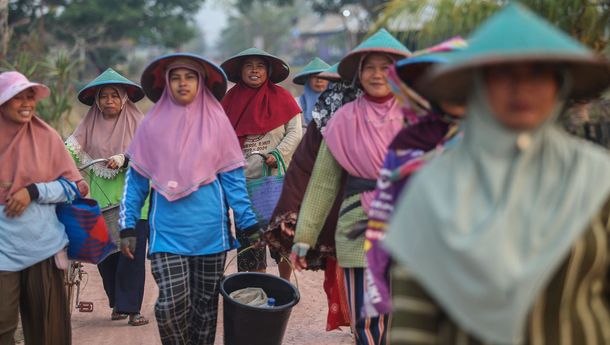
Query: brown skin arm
point(17, 203)
point(83, 187)
point(271, 161)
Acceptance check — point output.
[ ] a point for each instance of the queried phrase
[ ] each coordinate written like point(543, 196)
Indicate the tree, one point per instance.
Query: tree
point(103, 29)
point(373, 7)
point(262, 24)
point(586, 20)
point(57, 72)
point(4, 28)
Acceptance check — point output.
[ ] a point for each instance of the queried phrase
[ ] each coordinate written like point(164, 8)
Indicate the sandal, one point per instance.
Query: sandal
point(137, 320)
point(118, 316)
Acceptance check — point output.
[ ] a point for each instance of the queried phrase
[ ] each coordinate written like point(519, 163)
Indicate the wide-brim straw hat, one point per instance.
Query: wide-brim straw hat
point(530, 39)
point(315, 67)
point(380, 42)
point(110, 77)
point(413, 68)
point(13, 82)
point(331, 74)
point(153, 77)
point(279, 69)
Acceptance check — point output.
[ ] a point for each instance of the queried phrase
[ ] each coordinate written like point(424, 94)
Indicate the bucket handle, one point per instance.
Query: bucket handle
point(294, 271)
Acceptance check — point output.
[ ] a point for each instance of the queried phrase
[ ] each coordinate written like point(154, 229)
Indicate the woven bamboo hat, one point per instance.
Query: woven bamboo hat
point(380, 42)
point(153, 77)
point(110, 77)
point(315, 67)
point(413, 68)
point(331, 73)
point(530, 39)
point(279, 69)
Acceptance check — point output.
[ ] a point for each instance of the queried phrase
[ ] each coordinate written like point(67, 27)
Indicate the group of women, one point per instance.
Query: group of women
point(175, 172)
point(433, 188)
point(466, 215)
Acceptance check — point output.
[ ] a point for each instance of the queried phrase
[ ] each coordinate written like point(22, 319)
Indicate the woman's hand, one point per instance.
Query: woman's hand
point(288, 224)
point(83, 187)
point(271, 161)
point(297, 256)
point(17, 203)
point(116, 161)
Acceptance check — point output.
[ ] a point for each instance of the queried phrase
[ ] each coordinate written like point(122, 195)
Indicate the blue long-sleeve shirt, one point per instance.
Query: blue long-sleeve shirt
point(197, 224)
point(37, 234)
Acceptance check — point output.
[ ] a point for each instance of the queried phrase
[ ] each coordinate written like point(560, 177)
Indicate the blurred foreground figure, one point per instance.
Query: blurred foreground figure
point(503, 239)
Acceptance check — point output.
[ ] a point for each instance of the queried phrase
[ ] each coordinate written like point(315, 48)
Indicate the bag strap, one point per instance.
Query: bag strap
point(267, 170)
point(281, 165)
point(63, 181)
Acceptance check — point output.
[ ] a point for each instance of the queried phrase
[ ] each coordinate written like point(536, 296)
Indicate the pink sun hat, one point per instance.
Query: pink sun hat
point(13, 82)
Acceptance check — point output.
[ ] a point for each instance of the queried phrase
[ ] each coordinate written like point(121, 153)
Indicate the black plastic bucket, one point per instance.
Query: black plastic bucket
point(247, 325)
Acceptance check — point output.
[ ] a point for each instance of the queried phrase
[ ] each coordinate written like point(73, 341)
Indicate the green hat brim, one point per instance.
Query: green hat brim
point(532, 40)
point(315, 67)
point(412, 69)
point(330, 76)
point(331, 73)
point(110, 77)
point(348, 67)
point(301, 79)
point(279, 68)
point(381, 42)
point(153, 77)
point(588, 77)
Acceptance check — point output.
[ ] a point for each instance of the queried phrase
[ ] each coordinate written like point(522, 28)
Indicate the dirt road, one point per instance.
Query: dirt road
point(306, 326)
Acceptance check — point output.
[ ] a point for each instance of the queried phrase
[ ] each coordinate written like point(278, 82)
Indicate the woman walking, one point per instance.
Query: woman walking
point(437, 128)
point(106, 132)
point(354, 145)
point(33, 157)
point(313, 87)
point(186, 156)
point(266, 119)
point(280, 233)
point(503, 239)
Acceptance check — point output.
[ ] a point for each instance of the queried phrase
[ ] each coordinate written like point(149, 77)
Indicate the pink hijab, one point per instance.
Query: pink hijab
point(359, 134)
point(31, 152)
point(180, 148)
point(100, 137)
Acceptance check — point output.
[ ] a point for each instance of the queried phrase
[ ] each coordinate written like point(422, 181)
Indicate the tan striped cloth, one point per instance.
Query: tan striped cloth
point(572, 310)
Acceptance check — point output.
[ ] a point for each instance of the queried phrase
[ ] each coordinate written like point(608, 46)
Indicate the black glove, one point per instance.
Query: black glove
point(128, 242)
point(253, 234)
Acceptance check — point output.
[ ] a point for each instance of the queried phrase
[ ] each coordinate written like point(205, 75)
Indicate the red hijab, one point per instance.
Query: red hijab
point(258, 111)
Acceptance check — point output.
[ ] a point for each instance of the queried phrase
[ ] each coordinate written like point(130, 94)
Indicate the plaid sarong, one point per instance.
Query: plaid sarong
point(187, 307)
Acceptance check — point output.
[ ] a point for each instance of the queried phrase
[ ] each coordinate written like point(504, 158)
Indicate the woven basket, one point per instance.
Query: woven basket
point(111, 216)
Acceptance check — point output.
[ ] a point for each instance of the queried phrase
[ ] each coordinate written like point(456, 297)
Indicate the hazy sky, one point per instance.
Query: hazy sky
point(212, 17)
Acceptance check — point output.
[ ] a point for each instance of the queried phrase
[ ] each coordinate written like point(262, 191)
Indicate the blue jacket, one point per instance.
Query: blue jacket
point(197, 224)
point(37, 234)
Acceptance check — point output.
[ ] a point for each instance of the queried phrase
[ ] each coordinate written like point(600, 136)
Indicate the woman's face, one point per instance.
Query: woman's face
point(110, 102)
point(373, 76)
point(254, 72)
point(318, 84)
point(184, 84)
point(21, 108)
point(521, 96)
